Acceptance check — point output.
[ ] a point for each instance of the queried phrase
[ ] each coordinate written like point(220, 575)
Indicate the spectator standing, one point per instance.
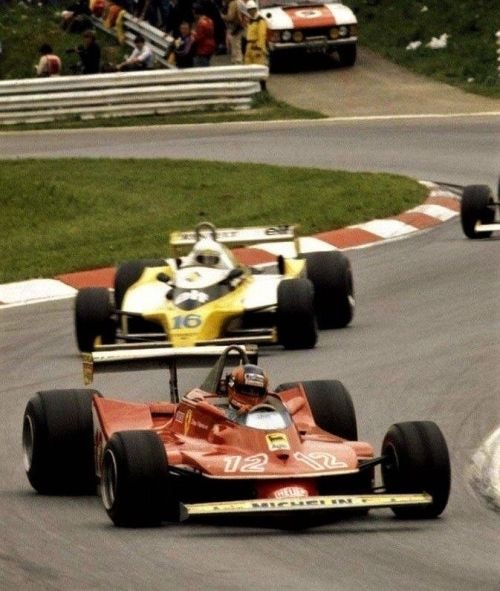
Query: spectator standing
point(171, 17)
point(183, 46)
point(256, 47)
point(141, 58)
point(235, 28)
point(49, 63)
point(90, 53)
point(203, 37)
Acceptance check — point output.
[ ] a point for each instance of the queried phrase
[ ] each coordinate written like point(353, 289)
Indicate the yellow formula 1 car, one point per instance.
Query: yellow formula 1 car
point(205, 297)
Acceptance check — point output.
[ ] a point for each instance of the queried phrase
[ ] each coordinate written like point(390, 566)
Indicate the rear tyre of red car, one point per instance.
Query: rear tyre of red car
point(295, 318)
point(331, 406)
point(476, 206)
point(58, 443)
point(331, 275)
point(416, 461)
point(94, 318)
point(135, 484)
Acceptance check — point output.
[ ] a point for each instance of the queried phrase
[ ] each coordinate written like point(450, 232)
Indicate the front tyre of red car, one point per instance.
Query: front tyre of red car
point(416, 460)
point(135, 481)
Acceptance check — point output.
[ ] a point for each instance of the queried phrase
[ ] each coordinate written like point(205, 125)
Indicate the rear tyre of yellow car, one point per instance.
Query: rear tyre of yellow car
point(416, 460)
point(129, 273)
point(295, 318)
point(136, 489)
point(331, 276)
point(58, 443)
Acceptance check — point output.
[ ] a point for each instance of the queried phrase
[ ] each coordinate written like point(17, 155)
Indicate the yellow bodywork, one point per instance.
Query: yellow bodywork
point(207, 322)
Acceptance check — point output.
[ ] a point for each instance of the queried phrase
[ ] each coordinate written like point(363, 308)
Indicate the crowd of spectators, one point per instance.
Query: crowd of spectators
point(199, 29)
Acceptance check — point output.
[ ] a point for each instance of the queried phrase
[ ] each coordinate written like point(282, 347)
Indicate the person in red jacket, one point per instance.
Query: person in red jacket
point(203, 37)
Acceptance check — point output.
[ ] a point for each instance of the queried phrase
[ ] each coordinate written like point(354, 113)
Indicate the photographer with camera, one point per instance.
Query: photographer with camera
point(89, 54)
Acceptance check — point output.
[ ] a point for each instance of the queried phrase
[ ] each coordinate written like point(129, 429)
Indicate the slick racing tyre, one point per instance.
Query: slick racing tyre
point(128, 273)
point(135, 485)
point(58, 443)
point(333, 410)
point(331, 406)
point(295, 318)
point(331, 276)
point(94, 318)
point(416, 461)
point(476, 206)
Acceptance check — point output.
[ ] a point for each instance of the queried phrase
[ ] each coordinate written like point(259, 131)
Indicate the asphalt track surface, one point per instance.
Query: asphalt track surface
point(423, 345)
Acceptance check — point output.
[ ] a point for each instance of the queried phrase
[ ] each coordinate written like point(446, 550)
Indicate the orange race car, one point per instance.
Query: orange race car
point(231, 446)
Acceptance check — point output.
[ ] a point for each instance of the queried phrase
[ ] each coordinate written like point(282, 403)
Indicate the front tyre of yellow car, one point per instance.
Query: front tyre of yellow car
point(94, 318)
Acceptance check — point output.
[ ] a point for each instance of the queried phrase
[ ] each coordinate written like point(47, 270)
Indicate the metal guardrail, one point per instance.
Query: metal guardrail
point(121, 94)
point(157, 40)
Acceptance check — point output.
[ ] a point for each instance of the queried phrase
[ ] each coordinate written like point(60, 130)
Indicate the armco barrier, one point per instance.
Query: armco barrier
point(123, 94)
point(157, 40)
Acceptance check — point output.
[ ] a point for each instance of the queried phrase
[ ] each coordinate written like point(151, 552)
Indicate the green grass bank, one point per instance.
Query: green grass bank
point(68, 215)
point(469, 59)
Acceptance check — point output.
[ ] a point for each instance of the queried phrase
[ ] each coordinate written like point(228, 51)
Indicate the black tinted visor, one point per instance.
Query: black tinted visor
point(250, 390)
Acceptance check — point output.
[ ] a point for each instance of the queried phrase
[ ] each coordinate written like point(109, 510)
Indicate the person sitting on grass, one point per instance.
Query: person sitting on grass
point(141, 58)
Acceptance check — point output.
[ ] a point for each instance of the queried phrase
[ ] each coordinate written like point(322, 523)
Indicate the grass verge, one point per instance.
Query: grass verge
point(469, 59)
point(68, 215)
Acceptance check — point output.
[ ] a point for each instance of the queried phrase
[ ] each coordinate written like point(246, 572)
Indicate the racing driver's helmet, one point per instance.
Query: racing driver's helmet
point(247, 386)
point(207, 252)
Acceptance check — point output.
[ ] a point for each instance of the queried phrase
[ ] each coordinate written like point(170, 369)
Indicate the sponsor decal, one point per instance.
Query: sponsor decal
point(277, 230)
point(295, 504)
point(291, 491)
point(277, 441)
point(193, 295)
point(187, 420)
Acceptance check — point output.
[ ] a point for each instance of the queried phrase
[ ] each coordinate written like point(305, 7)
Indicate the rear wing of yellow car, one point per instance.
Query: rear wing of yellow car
point(115, 358)
point(180, 242)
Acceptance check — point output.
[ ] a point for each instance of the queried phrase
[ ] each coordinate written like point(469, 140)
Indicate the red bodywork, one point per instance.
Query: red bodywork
point(281, 462)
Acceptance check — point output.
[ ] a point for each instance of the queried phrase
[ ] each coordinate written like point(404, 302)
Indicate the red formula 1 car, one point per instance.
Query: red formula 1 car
point(297, 456)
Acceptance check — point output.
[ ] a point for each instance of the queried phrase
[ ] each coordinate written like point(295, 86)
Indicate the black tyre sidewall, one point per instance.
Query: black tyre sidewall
point(417, 461)
point(474, 208)
point(142, 496)
point(129, 273)
point(94, 317)
point(295, 318)
point(63, 445)
point(331, 406)
point(331, 275)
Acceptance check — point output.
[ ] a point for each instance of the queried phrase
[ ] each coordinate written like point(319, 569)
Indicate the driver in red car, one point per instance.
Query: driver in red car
point(247, 387)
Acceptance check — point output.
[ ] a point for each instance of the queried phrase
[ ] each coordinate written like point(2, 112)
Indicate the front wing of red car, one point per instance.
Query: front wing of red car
point(314, 503)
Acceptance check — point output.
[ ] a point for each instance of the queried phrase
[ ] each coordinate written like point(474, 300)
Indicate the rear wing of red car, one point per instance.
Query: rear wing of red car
point(115, 358)
point(233, 237)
